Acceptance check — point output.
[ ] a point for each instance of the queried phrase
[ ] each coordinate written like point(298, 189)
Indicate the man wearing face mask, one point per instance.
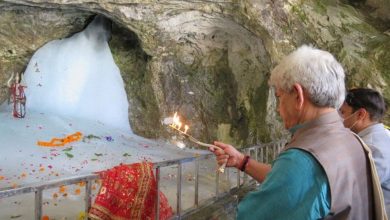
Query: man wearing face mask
point(324, 172)
point(363, 110)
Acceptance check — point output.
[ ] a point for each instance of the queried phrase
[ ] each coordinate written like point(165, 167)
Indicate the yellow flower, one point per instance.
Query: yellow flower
point(81, 215)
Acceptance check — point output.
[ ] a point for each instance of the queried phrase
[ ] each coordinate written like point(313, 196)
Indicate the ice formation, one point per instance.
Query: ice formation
point(73, 85)
point(77, 77)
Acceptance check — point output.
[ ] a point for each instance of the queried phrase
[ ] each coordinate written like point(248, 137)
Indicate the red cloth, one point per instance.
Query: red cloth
point(19, 100)
point(129, 192)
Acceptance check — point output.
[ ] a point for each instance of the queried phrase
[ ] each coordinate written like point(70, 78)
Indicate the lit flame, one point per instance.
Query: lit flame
point(176, 123)
point(176, 120)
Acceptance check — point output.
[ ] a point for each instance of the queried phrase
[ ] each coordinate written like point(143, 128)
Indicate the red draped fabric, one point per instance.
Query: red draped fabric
point(129, 192)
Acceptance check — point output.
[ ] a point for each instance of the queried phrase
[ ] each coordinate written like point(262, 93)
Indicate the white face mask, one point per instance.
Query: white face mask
point(349, 118)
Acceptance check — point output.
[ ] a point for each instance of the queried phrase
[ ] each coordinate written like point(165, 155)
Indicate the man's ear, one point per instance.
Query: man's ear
point(363, 113)
point(300, 96)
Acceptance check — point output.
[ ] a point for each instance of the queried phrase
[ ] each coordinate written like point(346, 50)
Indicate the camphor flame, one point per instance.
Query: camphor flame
point(176, 123)
point(179, 125)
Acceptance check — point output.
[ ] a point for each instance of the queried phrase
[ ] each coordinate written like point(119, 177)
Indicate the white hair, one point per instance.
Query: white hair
point(317, 71)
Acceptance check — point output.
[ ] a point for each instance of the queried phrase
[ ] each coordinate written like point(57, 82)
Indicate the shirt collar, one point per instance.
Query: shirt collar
point(327, 118)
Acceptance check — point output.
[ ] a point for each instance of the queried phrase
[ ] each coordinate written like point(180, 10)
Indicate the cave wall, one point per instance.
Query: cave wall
point(25, 29)
point(208, 60)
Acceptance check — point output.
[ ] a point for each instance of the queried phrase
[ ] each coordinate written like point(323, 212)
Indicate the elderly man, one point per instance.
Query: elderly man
point(363, 111)
point(323, 171)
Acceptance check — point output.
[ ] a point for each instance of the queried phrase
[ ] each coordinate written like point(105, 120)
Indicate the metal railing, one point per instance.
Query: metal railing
point(263, 153)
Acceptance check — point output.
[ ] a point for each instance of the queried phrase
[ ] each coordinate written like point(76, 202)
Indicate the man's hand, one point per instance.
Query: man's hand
point(227, 154)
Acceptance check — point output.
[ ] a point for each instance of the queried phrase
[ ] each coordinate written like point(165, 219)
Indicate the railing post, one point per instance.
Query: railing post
point(238, 178)
point(274, 148)
point(279, 146)
point(245, 177)
point(262, 154)
point(257, 154)
point(88, 196)
point(196, 183)
point(158, 193)
point(217, 184)
point(178, 205)
point(228, 178)
point(38, 203)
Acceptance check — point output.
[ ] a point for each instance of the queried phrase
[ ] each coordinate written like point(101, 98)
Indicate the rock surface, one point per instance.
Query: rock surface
point(208, 60)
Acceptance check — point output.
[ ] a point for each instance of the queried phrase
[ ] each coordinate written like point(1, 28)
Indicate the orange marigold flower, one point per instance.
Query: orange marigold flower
point(62, 189)
point(45, 217)
point(77, 192)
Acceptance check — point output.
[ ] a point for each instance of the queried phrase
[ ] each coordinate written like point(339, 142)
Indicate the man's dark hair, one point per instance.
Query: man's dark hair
point(368, 99)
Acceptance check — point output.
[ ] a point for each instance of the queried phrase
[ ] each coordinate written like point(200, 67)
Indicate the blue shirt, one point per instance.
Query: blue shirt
point(295, 188)
point(377, 138)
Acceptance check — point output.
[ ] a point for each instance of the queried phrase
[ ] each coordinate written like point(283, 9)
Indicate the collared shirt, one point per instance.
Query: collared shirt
point(295, 188)
point(378, 140)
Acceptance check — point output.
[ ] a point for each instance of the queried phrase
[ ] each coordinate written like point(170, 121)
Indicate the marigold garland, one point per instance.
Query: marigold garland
point(59, 142)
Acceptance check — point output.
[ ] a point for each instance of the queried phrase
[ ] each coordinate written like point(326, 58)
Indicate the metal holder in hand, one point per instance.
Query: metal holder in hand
point(221, 169)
